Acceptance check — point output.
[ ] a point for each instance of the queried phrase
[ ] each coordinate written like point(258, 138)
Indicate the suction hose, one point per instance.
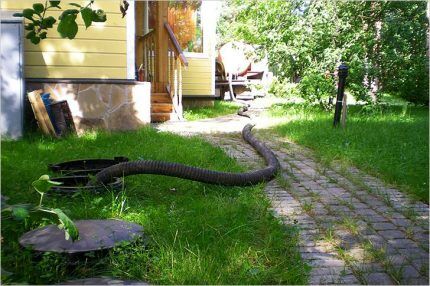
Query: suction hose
point(198, 174)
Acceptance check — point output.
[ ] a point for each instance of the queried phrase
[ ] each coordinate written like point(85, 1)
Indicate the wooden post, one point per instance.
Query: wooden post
point(161, 46)
point(139, 32)
point(344, 110)
point(179, 110)
point(342, 73)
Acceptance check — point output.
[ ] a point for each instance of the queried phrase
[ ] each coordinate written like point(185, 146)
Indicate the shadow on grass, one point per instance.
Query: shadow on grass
point(198, 233)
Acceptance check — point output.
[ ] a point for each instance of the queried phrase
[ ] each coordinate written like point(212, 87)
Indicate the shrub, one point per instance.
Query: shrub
point(284, 89)
point(315, 87)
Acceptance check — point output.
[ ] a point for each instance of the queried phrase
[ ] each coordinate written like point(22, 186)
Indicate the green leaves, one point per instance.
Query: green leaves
point(70, 229)
point(55, 4)
point(68, 28)
point(99, 15)
point(38, 8)
point(20, 213)
point(75, 4)
point(43, 184)
point(48, 22)
point(87, 16)
point(124, 7)
point(38, 24)
point(28, 13)
point(68, 12)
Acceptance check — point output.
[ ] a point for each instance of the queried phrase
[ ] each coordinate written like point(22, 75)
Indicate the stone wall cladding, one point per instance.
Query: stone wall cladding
point(103, 105)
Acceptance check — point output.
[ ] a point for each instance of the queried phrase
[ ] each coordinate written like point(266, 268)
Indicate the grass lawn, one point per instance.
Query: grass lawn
point(220, 108)
point(390, 142)
point(197, 233)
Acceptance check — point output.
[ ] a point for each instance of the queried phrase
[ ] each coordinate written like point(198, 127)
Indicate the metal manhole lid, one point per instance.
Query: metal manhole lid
point(93, 235)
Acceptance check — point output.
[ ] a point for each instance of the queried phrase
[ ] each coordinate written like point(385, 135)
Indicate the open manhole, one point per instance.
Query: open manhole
point(93, 235)
point(73, 184)
point(85, 166)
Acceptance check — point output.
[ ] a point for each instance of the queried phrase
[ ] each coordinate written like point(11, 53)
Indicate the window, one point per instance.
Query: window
point(185, 19)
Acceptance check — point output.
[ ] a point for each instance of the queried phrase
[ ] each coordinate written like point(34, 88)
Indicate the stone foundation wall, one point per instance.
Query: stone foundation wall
point(110, 106)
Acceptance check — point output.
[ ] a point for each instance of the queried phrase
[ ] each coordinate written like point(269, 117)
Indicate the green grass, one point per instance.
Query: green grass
point(220, 108)
point(197, 233)
point(390, 142)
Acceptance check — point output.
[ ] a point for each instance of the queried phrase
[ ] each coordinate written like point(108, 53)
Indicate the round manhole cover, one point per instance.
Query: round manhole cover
point(93, 235)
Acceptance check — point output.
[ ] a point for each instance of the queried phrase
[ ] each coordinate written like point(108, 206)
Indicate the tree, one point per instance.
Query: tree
point(384, 43)
point(38, 22)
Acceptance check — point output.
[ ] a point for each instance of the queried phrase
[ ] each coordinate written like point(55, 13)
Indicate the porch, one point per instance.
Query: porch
point(159, 60)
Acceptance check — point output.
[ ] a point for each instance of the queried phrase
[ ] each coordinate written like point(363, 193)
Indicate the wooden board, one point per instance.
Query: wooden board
point(40, 112)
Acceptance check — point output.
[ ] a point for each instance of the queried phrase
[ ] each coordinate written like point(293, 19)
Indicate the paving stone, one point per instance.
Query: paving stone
point(409, 272)
point(401, 222)
point(418, 281)
point(349, 279)
point(383, 226)
point(402, 243)
point(391, 234)
point(332, 262)
point(397, 259)
point(376, 240)
point(330, 270)
point(324, 187)
point(379, 279)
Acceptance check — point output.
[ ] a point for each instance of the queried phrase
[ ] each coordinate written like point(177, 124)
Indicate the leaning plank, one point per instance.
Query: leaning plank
point(40, 112)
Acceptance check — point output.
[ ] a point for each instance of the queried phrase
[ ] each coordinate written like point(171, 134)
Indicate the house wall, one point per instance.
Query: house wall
point(199, 76)
point(98, 52)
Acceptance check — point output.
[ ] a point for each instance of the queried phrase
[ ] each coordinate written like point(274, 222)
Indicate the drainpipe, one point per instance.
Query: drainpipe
point(343, 73)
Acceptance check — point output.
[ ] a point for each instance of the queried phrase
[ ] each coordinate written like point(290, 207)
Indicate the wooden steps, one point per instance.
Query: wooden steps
point(161, 107)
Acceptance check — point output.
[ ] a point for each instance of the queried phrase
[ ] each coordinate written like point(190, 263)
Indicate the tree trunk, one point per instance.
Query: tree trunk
point(374, 53)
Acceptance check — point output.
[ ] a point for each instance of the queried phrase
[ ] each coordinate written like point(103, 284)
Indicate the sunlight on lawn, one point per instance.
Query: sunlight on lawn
point(390, 142)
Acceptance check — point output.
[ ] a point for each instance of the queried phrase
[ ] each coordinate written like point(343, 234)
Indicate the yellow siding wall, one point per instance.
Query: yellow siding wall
point(98, 52)
point(197, 77)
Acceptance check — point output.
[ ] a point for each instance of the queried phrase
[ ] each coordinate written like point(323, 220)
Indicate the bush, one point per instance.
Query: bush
point(315, 87)
point(284, 89)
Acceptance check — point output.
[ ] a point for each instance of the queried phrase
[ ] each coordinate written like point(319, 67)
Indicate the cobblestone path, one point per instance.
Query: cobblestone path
point(354, 229)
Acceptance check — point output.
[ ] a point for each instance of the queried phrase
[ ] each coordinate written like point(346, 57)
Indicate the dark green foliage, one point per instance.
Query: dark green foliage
point(67, 27)
point(99, 16)
point(55, 4)
point(196, 233)
point(87, 16)
point(317, 88)
point(387, 141)
point(383, 42)
point(38, 8)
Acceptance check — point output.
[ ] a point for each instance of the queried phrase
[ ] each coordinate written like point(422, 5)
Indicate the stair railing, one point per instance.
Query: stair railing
point(176, 61)
point(148, 56)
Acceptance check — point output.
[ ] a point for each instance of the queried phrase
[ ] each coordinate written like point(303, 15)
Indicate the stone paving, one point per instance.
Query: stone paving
point(354, 229)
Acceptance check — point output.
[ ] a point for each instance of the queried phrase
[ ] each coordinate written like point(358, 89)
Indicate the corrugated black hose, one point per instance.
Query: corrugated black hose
point(198, 174)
